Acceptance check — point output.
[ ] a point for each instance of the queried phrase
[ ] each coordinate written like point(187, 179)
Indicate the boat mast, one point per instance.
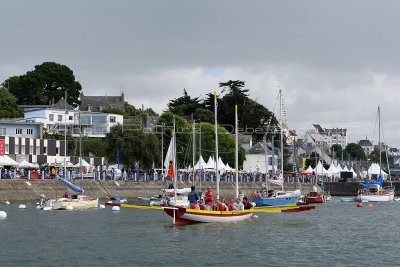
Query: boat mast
point(216, 141)
point(236, 151)
point(174, 158)
point(280, 115)
point(379, 142)
point(65, 135)
point(194, 150)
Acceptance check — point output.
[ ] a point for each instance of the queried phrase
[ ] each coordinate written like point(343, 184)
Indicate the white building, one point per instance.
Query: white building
point(259, 159)
point(58, 118)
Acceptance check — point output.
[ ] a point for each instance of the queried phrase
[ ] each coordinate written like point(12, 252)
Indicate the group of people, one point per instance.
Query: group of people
point(207, 201)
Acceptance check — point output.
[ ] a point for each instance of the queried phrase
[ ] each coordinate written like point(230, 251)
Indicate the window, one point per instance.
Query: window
point(30, 149)
point(57, 150)
point(44, 150)
point(112, 119)
point(51, 117)
point(59, 117)
point(6, 149)
point(29, 131)
point(3, 131)
point(18, 131)
point(37, 150)
point(22, 149)
point(70, 118)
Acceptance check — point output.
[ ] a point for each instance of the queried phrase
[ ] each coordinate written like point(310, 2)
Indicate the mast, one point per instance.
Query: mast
point(216, 141)
point(65, 136)
point(379, 142)
point(201, 174)
point(280, 115)
point(174, 159)
point(194, 150)
point(236, 151)
point(162, 150)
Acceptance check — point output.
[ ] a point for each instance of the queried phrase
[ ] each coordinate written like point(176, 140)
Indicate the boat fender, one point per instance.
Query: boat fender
point(69, 207)
point(7, 202)
point(253, 204)
point(370, 206)
point(359, 205)
point(3, 214)
point(38, 207)
point(101, 206)
point(47, 208)
point(22, 206)
point(115, 208)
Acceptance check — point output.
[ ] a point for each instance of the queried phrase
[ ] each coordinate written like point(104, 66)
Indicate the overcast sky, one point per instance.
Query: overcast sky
point(335, 61)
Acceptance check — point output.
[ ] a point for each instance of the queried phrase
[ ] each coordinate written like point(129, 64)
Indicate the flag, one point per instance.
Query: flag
point(171, 170)
point(168, 157)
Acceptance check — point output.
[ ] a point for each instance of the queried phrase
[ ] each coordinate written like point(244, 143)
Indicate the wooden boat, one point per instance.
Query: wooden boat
point(182, 215)
point(81, 202)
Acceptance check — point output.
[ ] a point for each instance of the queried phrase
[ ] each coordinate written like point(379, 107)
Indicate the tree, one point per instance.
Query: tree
point(184, 105)
point(8, 105)
point(134, 146)
point(46, 82)
point(355, 151)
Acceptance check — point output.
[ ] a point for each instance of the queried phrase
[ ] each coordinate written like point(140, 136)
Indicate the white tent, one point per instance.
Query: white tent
point(26, 165)
point(211, 163)
point(7, 161)
point(339, 168)
point(201, 164)
point(221, 165)
point(228, 168)
point(332, 171)
point(374, 169)
point(345, 169)
point(309, 169)
point(320, 170)
point(354, 173)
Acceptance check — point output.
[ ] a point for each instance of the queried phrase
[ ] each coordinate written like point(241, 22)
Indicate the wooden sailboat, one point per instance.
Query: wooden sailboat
point(183, 216)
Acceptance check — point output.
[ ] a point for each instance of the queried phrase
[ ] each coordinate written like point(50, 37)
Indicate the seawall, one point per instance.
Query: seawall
point(30, 190)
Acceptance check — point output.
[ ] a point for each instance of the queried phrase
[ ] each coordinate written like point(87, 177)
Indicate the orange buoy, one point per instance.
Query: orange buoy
point(359, 205)
point(370, 206)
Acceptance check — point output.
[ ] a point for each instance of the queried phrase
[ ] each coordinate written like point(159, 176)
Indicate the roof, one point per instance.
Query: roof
point(62, 105)
point(97, 103)
point(259, 148)
point(19, 122)
point(365, 142)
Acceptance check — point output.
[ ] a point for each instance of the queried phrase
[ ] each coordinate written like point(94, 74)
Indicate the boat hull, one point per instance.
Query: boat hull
point(275, 201)
point(80, 204)
point(185, 216)
point(376, 198)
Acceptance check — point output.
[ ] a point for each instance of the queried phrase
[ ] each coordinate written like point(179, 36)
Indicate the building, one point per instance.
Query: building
point(24, 141)
point(60, 118)
point(366, 146)
point(259, 159)
point(334, 136)
point(99, 103)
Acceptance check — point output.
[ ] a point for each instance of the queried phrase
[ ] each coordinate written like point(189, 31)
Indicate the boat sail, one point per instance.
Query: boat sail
point(373, 190)
point(278, 197)
point(183, 216)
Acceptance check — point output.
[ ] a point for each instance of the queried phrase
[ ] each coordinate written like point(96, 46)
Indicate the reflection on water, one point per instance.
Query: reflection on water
point(334, 234)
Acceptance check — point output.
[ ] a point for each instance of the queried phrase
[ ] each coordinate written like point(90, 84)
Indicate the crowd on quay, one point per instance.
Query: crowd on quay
point(207, 201)
point(140, 175)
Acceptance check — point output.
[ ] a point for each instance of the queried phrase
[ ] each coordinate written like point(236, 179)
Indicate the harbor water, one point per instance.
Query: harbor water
point(334, 234)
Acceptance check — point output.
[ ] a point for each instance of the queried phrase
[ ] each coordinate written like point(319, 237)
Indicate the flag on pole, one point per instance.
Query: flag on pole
point(169, 158)
point(171, 170)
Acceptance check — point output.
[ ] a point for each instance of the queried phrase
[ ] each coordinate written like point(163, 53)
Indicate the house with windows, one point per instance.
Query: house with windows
point(99, 103)
point(24, 141)
point(367, 146)
point(259, 159)
point(61, 118)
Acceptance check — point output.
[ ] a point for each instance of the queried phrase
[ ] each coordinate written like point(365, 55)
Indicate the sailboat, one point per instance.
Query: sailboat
point(278, 197)
point(183, 216)
point(373, 190)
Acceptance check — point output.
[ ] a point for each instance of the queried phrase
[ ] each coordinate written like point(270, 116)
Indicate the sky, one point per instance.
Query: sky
point(335, 61)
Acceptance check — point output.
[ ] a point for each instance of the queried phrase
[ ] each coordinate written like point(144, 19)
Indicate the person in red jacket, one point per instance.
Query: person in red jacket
point(227, 204)
point(209, 195)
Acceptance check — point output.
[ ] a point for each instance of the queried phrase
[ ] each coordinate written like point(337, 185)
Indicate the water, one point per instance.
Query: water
point(334, 234)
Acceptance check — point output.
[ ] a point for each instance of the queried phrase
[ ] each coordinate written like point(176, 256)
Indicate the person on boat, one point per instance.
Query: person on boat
point(201, 204)
point(238, 205)
point(227, 204)
point(193, 198)
point(66, 194)
point(209, 197)
point(247, 205)
point(241, 195)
